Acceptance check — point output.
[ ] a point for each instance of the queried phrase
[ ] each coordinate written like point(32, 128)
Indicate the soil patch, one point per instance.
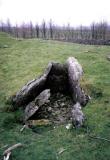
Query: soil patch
point(57, 109)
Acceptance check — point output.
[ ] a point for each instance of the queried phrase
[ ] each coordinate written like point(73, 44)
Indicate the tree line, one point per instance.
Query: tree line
point(95, 33)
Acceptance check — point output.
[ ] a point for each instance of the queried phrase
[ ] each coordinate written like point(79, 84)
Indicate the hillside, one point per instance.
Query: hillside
point(22, 60)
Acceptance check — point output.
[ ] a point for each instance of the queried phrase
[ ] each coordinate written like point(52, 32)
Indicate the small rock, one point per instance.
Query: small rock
point(108, 57)
point(5, 46)
point(54, 114)
point(57, 112)
point(50, 109)
point(39, 122)
point(56, 104)
point(62, 104)
point(69, 126)
point(43, 97)
point(77, 115)
point(30, 110)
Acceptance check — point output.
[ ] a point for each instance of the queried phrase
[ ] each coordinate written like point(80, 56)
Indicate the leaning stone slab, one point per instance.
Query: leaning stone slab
point(32, 89)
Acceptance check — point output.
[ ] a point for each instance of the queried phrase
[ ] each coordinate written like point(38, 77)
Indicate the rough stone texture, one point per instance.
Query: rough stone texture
point(52, 95)
point(33, 106)
point(30, 110)
point(57, 109)
point(77, 115)
point(43, 97)
point(32, 89)
point(75, 72)
point(57, 79)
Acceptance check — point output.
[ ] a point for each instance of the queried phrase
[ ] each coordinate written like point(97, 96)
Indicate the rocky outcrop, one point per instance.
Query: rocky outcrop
point(35, 96)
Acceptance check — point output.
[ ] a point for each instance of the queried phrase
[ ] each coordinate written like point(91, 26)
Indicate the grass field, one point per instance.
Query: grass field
point(23, 60)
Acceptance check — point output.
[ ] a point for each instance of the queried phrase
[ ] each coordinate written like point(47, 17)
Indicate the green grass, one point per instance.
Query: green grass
point(22, 61)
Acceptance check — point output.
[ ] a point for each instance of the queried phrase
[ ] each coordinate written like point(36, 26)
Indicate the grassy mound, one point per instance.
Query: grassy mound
point(23, 60)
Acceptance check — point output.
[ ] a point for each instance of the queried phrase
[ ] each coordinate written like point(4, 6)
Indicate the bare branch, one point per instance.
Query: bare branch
point(12, 148)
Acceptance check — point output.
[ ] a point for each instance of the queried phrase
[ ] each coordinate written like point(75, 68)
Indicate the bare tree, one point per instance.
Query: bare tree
point(93, 31)
point(37, 31)
point(81, 31)
point(16, 31)
point(43, 29)
point(1, 26)
point(23, 30)
point(8, 26)
point(51, 29)
point(104, 30)
point(31, 30)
